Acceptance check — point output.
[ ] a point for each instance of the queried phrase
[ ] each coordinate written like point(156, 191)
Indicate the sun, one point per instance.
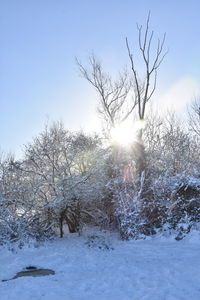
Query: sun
point(125, 133)
point(122, 135)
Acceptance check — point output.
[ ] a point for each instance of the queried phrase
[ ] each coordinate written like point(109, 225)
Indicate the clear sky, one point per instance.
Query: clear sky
point(39, 79)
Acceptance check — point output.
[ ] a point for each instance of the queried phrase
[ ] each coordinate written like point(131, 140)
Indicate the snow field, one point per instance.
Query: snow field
point(151, 269)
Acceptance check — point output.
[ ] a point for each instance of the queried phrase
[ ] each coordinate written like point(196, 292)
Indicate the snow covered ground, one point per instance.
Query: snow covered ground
point(153, 269)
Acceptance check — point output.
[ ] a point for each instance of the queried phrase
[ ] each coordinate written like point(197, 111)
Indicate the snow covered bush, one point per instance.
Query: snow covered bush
point(15, 228)
point(139, 212)
point(99, 241)
point(180, 194)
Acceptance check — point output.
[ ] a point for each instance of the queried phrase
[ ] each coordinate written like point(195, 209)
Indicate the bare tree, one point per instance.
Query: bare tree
point(114, 93)
point(144, 88)
point(114, 107)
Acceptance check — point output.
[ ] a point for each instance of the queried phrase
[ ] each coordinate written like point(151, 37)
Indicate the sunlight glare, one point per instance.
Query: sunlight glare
point(125, 133)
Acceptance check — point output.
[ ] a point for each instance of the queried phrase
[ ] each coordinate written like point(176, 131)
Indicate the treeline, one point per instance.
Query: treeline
point(77, 179)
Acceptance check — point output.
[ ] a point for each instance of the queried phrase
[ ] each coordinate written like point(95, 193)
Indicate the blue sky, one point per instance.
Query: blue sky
point(39, 79)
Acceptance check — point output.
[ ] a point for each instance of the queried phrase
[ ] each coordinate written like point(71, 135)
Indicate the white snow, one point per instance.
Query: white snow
point(153, 269)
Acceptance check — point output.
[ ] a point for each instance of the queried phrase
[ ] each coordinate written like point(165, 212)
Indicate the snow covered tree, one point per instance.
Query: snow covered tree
point(62, 164)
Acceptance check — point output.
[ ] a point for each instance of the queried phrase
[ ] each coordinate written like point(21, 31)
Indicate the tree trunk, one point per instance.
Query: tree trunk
point(61, 226)
point(140, 155)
